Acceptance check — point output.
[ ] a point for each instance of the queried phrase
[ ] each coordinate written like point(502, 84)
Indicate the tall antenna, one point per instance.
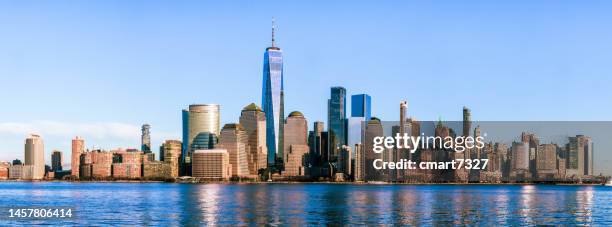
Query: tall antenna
point(273, 26)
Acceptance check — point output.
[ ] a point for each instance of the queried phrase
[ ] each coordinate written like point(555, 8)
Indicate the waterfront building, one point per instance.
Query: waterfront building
point(56, 161)
point(171, 150)
point(101, 164)
point(211, 164)
point(126, 165)
point(361, 106)
point(373, 129)
point(35, 155)
point(272, 100)
point(546, 162)
point(295, 144)
point(234, 139)
point(15, 172)
point(359, 162)
point(520, 156)
point(345, 161)
point(126, 170)
point(156, 170)
point(145, 138)
point(78, 147)
point(201, 124)
point(253, 120)
point(580, 156)
point(336, 121)
point(317, 144)
point(4, 170)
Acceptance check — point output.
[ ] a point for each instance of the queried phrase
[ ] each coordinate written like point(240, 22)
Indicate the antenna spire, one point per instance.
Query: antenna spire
point(273, 27)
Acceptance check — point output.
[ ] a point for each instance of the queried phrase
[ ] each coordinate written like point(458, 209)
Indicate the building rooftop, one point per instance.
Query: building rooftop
point(251, 107)
point(296, 114)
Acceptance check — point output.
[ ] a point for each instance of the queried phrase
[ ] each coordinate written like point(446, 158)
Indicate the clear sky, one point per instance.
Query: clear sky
point(100, 69)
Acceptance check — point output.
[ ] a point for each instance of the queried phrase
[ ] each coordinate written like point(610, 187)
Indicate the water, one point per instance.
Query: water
point(311, 204)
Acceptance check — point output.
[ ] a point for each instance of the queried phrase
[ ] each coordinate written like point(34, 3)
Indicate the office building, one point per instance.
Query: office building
point(145, 138)
point(201, 124)
point(234, 140)
point(336, 121)
point(361, 106)
point(272, 100)
point(253, 120)
point(35, 156)
point(56, 161)
point(211, 164)
point(296, 144)
point(78, 147)
point(171, 150)
point(373, 129)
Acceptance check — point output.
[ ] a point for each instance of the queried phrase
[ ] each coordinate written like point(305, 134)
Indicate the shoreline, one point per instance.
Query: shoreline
point(295, 182)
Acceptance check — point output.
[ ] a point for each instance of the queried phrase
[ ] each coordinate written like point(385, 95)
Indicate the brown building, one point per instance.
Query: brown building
point(295, 142)
point(157, 169)
point(171, 150)
point(373, 129)
point(4, 170)
point(253, 120)
point(78, 147)
point(234, 139)
point(127, 170)
point(211, 164)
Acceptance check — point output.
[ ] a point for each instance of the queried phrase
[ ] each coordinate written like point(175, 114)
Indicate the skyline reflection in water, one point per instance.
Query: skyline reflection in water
point(312, 204)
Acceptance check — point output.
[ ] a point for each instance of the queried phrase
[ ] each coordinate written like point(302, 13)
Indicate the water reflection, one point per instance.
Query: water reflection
point(315, 204)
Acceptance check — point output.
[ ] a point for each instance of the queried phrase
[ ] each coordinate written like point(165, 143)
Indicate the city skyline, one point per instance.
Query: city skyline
point(104, 115)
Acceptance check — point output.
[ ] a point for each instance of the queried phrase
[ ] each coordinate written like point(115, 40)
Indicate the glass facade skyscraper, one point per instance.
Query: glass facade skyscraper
point(272, 100)
point(361, 106)
point(336, 120)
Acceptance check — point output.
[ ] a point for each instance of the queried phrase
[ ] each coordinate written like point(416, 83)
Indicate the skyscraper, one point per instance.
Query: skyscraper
point(56, 161)
point(78, 147)
point(146, 138)
point(171, 150)
point(373, 129)
point(272, 99)
point(336, 120)
point(296, 144)
point(35, 156)
point(361, 106)
point(200, 128)
point(253, 120)
point(234, 139)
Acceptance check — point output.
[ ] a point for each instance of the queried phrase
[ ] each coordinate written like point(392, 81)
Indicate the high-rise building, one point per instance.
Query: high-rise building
point(272, 100)
point(201, 124)
point(467, 121)
point(211, 164)
point(361, 106)
point(336, 121)
point(520, 156)
point(580, 156)
point(146, 138)
point(35, 155)
point(296, 144)
point(78, 147)
point(373, 129)
point(359, 163)
point(56, 161)
point(253, 120)
point(546, 161)
point(234, 139)
point(345, 160)
point(316, 144)
point(171, 150)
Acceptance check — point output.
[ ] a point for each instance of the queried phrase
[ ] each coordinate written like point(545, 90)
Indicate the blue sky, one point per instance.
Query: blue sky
point(102, 68)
